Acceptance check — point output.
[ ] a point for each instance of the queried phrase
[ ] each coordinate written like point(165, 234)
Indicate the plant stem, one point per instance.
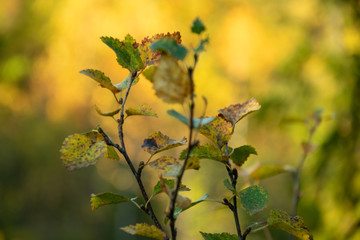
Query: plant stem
point(122, 149)
point(190, 147)
point(297, 173)
point(233, 179)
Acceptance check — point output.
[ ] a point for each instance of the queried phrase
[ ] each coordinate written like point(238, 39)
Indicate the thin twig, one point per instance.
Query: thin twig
point(122, 149)
point(190, 147)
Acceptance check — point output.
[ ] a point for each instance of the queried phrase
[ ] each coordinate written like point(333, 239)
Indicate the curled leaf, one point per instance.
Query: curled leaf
point(171, 82)
point(197, 122)
point(158, 142)
point(102, 199)
point(79, 151)
point(144, 229)
point(107, 114)
point(293, 225)
point(234, 113)
point(143, 110)
point(100, 77)
point(126, 82)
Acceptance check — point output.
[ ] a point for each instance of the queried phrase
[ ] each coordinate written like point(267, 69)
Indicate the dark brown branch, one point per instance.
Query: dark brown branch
point(190, 147)
point(122, 149)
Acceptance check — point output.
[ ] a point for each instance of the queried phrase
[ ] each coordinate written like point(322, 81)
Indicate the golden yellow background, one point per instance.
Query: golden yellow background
point(293, 56)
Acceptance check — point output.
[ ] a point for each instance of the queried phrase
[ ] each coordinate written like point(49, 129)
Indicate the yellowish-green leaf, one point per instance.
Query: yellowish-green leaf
point(95, 136)
point(158, 142)
point(263, 172)
point(107, 114)
point(218, 131)
point(179, 210)
point(254, 199)
point(143, 110)
point(100, 77)
point(236, 112)
point(172, 170)
point(170, 81)
point(79, 151)
point(162, 162)
point(158, 188)
point(293, 225)
point(103, 199)
point(144, 229)
point(126, 82)
point(219, 236)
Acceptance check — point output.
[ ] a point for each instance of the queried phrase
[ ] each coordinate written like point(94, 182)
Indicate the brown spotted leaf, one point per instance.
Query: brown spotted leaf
point(162, 162)
point(143, 110)
point(218, 131)
point(144, 229)
point(158, 142)
point(293, 225)
point(95, 136)
point(234, 113)
point(170, 81)
point(79, 151)
point(149, 56)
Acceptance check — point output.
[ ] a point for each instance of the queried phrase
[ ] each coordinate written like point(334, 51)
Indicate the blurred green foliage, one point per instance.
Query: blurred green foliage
point(40, 200)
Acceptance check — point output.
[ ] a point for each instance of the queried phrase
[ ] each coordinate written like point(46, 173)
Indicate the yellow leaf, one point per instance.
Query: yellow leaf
point(171, 82)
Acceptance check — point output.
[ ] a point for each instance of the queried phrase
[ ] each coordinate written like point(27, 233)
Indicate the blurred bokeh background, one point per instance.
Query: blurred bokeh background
point(293, 56)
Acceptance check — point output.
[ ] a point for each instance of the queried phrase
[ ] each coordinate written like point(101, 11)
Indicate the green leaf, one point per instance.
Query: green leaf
point(100, 77)
point(234, 113)
point(127, 52)
point(254, 199)
point(148, 73)
point(144, 229)
point(207, 151)
point(107, 114)
point(143, 110)
point(180, 210)
point(170, 81)
point(170, 45)
point(158, 142)
point(197, 27)
point(197, 122)
point(126, 82)
point(293, 225)
point(218, 131)
point(219, 236)
point(79, 151)
point(163, 162)
point(241, 154)
point(102, 199)
point(150, 56)
point(263, 172)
